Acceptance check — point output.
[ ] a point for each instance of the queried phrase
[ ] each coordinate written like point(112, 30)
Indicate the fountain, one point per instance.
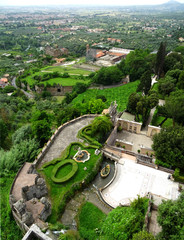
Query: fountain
point(81, 156)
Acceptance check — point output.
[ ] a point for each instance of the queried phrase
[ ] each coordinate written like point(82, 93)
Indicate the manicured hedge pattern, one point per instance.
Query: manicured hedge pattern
point(69, 175)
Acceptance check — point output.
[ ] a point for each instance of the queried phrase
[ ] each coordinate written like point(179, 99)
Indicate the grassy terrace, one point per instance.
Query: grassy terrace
point(89, 219)
point(120, 94)
point(66, 69)
point(71, 81)
point(58, 191)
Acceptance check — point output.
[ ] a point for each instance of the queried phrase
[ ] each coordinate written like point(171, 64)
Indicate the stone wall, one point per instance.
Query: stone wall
point(126, 145)
point(146, 151)
point(112, 137)
point(152, 130)
point(56, 90)
point(130, 126)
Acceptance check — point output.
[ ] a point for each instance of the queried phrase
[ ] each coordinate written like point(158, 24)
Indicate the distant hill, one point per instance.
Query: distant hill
point(171, 5)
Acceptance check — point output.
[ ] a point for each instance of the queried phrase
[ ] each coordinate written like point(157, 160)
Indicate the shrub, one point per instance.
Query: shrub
point(117, 144)
point(119, 129)
point(9, 89)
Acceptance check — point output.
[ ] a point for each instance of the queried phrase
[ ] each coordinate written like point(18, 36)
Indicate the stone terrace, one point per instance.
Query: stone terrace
point(137, 139)
point(65, 137)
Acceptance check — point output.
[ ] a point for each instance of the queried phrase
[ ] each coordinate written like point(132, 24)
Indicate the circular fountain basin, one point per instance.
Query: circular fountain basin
point(82, 156)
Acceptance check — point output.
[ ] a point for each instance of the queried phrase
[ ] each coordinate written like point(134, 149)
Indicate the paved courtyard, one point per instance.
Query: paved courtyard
point(138, 140)
point(133, 179)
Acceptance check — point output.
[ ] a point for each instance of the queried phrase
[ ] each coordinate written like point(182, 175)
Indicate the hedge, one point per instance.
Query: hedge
point(65, 154)
point(83, 133)
point(177, 176)
point(69, 175)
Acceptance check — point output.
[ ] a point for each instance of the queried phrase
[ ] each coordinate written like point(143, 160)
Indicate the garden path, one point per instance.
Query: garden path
point(65, 137)
point(73, 206)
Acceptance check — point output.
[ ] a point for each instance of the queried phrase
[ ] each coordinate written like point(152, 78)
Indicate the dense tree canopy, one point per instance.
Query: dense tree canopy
point(108, 76)
point(41, 126)
point(137, 62)
point(123, 222)
point(171, 219)
point(169, 147)
point(175, 106)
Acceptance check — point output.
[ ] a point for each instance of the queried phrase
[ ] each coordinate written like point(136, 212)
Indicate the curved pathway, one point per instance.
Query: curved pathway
point(65, 137)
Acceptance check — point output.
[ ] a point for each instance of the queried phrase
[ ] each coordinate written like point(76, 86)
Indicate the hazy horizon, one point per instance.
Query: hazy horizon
point(82, 2)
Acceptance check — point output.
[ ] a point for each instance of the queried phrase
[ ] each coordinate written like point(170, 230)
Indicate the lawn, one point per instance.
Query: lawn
point(65, 81)
point(120, 94)
point(58, 190)
point(67, 69)
point(90, 221)
point(157, 120)
point(70, 81)
point(59, 98)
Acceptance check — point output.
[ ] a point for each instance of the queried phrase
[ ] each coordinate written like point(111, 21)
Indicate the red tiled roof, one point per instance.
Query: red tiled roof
point(116, 54)
point(100, 54)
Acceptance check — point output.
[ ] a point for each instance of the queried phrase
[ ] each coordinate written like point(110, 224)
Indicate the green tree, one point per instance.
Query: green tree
point(171, 218)
point(122, 222)
point(166, 85)
point(80, 87)
point(101, 125)
point(145, 82)
point(41, 126)
point(175, 106)
point(108, 76)
point(168, 147)
point(160, 59)
point(136, 63)
point(96, 106)
point(21, 134)
point(181, 80)
point(173, 61)
point(132, 102)
point(3, 132)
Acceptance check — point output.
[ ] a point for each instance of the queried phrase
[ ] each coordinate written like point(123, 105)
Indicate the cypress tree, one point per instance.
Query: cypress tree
point(160, 59)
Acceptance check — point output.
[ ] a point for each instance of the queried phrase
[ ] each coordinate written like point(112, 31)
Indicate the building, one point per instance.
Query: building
point(56, 52)
point(103, 57)
point(3, 82)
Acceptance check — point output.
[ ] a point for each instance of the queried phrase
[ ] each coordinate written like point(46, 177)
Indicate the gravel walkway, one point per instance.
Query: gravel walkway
point(66, 136)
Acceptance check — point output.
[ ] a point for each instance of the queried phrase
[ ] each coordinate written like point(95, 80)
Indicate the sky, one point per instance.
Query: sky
point(82, 2)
